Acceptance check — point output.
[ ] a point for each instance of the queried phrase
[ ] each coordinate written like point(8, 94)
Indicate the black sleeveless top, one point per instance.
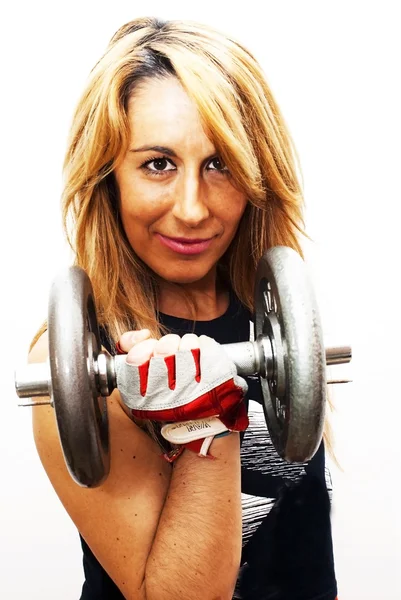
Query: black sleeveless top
point(287, 549)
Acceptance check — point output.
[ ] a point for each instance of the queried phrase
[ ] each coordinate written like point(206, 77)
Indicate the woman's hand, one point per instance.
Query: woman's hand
point(188, 382)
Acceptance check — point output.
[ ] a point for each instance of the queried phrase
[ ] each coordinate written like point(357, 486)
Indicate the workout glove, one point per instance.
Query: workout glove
point(197, 393)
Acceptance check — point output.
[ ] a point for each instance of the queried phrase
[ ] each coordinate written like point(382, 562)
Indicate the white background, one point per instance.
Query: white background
point(335, 69)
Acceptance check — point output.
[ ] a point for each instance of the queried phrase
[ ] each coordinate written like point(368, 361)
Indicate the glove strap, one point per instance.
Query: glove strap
point(186, 432)
point(187, 435)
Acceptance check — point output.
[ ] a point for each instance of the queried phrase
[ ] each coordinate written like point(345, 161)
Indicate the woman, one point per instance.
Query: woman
point(179, 174)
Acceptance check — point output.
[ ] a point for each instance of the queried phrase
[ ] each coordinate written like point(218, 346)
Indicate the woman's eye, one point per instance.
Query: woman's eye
point(217, 165)
point(159, 165)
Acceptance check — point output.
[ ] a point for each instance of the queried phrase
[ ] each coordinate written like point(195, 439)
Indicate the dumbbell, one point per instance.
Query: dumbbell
point(287, 354)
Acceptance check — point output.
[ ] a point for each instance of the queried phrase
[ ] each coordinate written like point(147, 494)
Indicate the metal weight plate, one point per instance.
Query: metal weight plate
point(74, 344)
point(294, 391)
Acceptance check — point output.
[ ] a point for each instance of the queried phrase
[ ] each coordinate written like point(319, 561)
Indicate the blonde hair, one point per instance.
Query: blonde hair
point(241, 118)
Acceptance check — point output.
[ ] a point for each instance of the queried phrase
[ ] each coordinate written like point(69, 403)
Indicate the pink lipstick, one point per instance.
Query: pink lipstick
point(185, 245)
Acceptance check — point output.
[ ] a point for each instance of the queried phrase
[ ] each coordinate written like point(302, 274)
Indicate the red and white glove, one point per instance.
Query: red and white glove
point(188, 383)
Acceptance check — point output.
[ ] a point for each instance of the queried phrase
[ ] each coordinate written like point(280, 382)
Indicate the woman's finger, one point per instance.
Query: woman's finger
point(167, 345)
point(189, 341)
point(130, 338)
point(141, 352)
point(207, 342)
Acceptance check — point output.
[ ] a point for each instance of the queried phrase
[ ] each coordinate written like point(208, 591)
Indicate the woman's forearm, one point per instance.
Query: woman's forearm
point(197, 547)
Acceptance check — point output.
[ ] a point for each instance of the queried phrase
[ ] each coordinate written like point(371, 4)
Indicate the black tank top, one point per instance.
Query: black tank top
point(287, 549)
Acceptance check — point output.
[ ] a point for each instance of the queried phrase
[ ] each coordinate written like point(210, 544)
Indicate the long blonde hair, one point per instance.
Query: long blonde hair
point(241, 118)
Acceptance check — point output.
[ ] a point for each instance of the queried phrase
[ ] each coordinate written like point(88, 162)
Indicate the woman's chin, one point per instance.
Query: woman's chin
point(187, 277)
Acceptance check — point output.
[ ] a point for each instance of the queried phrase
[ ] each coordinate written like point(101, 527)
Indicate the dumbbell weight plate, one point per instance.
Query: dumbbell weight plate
point(294, 391)
point(74, 343)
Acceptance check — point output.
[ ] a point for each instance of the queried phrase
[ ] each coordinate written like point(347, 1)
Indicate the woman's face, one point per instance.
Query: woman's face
point(178, 206)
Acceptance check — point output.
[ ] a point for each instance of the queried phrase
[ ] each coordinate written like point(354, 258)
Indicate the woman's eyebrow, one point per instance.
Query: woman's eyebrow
point(161, 149)
point(164, 150)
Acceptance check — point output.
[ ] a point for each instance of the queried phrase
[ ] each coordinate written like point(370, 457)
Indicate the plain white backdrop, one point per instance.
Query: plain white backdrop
point(334, 68)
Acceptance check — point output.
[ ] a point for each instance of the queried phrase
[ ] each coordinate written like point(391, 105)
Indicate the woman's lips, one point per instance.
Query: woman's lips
point(184, 245)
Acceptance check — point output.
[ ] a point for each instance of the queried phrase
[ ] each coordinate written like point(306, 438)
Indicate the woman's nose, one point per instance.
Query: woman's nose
point(189, 203)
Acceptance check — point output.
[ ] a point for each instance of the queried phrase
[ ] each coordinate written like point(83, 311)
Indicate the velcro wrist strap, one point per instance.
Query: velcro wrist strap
point(188, 431)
